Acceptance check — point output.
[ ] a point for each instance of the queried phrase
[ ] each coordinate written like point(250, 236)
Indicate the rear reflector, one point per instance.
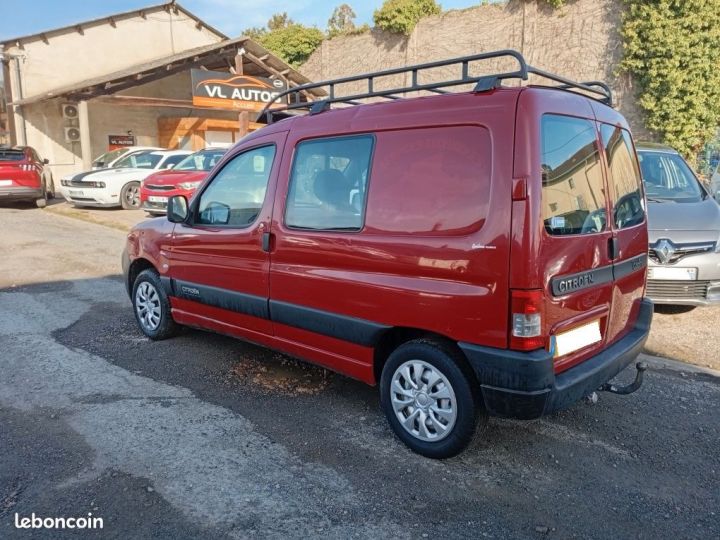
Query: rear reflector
point(526, 309)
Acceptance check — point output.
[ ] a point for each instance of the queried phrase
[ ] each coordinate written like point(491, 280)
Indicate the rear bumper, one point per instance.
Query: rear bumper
point(524, 385)
point(14, 193)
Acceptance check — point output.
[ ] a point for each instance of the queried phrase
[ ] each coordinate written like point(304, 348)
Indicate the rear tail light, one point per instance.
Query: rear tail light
point(526, 319)
point(27, 167)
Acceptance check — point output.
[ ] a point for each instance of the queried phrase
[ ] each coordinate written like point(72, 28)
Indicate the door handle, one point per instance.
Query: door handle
point(266, 241)
point(613, 248)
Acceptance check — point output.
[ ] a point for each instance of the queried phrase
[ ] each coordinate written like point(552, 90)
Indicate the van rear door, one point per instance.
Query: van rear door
point(629, 244)
point(574, 259)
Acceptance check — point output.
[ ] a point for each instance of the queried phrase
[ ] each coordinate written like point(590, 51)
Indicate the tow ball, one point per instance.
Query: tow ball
point(630, 388)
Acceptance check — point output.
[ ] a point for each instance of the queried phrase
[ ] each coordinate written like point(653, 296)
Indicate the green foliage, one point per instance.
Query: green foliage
point(294, 43)
point(555, 3)
point(672, 49)
point(291, 41)
point(401, 16)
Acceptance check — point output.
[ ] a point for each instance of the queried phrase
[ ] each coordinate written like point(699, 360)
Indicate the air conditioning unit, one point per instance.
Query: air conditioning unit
point(72, 134)
point(70, 111)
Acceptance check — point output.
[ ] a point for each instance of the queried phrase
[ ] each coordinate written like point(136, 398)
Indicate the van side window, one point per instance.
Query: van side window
point(328, 183)
point(624, 177)
point(573, 195)
point(236, 194)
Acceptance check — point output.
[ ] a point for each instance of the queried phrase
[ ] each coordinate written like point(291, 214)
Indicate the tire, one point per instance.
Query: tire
point(415, 363)
point(671, 309)
point(43, 200)
point(130, 196)
point(51, 192)
point(148, 299)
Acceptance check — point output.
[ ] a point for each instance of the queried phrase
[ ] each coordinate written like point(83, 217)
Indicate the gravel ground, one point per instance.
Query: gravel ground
point(206, 436)
point(692, 337)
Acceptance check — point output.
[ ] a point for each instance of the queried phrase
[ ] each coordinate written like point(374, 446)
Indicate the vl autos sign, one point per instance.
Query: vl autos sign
point(238, 92)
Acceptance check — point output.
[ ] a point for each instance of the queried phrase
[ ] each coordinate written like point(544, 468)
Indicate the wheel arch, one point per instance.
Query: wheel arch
point(137, 266)
point(396, 336)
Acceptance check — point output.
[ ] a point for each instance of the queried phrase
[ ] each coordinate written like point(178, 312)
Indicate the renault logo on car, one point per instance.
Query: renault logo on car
point(665, 249)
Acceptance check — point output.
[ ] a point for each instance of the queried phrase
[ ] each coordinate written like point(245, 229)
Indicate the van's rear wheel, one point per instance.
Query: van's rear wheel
point(152, 306)
point(426, 393)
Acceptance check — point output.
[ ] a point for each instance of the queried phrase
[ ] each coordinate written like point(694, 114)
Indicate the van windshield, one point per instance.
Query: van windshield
point(668, 178)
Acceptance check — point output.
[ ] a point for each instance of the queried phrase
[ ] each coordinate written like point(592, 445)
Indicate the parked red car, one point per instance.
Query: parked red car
point(471, 252)
point(183, 179)
point(24, 176)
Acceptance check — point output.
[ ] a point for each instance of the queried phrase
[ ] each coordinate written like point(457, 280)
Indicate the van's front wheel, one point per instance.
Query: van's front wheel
point(152, 306)
point(427, 396)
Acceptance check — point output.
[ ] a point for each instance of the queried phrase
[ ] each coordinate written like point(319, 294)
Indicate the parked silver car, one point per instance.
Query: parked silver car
point(684, 231)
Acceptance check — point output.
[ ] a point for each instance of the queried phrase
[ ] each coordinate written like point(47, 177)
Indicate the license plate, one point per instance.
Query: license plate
point(6, 182)
point(75, 193)
point(672, 274)
point(153, 198)
point(577, 338)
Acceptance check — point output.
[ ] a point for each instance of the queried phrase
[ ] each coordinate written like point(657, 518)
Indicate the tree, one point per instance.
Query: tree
point(401, 16)
point(279, 21)
point(341, 21)
point(672, 49)
point(291, 41)
point(294, 43)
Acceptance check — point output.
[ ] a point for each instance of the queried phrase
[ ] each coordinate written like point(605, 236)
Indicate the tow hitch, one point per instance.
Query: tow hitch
point(630, 388)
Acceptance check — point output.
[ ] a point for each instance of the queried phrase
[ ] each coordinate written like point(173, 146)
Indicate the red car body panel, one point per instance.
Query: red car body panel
point(21, 179)
point(166, 184)
point(453, 280)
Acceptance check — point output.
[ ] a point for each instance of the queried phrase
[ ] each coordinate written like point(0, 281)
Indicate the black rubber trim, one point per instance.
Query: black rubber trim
point(352, 329)
point(359, 331)
point(627, 267)
point(256, 306)
point(524, 385)
point(570, 283)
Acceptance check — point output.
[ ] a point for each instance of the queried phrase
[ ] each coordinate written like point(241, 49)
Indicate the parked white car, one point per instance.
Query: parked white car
point(119, 186)
point(108, 159)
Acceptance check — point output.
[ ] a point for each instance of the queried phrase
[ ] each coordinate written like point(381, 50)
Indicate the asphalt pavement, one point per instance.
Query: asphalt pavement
point(203, 436)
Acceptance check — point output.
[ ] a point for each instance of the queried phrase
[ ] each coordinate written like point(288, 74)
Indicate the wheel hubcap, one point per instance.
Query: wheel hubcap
point(147, 305)
point(133, 196)
point(423, 400)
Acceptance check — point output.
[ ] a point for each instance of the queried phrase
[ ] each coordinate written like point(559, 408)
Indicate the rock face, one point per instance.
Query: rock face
point(580, 40)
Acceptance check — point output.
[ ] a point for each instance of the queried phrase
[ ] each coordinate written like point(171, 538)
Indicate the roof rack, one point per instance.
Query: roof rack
point(596, 89)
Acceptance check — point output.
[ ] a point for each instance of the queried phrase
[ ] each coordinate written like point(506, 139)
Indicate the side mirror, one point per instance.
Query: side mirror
point(46, 161)
point(170, 166)
point(177, 209)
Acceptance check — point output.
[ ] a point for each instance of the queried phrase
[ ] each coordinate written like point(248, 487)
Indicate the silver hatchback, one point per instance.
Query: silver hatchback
point(684, 231)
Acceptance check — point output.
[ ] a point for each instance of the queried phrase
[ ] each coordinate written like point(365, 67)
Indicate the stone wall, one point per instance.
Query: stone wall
point(580, 41)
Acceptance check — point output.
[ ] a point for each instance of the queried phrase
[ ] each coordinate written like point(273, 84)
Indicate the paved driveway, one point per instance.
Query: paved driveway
point(204, 436)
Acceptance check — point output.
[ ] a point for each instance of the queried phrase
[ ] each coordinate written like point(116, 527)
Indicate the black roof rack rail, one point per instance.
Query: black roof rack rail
point(596, 89)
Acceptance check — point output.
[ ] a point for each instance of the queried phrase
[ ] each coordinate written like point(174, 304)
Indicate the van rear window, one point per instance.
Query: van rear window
point(624, 176)
point(573, 194)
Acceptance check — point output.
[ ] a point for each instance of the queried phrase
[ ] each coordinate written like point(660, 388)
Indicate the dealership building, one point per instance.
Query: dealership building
point(158, 76)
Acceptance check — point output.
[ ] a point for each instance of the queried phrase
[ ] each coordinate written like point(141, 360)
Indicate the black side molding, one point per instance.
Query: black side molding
point(351, 329)
point(247, 304)
point(359, 331)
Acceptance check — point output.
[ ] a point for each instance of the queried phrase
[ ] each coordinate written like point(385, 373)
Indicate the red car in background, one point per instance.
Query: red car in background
point(183, 179)
point(23, 176)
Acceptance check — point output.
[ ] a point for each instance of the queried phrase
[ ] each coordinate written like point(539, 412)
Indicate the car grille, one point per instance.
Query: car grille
point(657, 288)
point(159, 188)
point(681, 250)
